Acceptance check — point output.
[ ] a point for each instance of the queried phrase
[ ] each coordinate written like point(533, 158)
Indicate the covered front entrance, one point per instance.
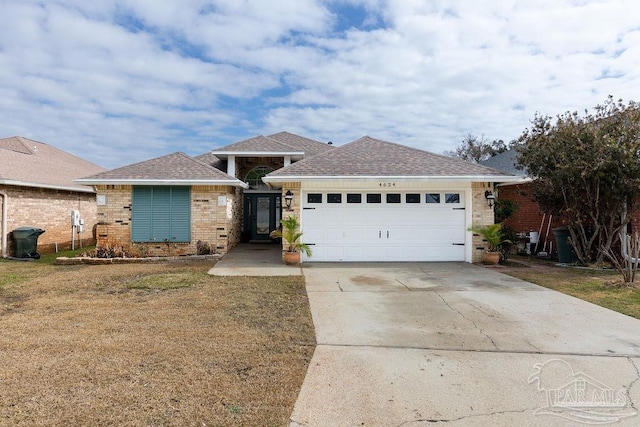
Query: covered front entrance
point(261, 215)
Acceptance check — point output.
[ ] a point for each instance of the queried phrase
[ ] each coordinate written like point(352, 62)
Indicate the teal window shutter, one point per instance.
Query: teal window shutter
point(141, 214)
point(161, 213)
point(161, 216)
point(180, 214)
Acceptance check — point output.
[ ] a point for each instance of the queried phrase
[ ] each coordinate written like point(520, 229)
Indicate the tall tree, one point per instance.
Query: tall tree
point(475, 150)
point(587, 168)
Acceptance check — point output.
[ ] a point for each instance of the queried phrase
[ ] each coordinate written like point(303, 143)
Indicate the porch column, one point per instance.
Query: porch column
point(231, 166)
point(287, 161)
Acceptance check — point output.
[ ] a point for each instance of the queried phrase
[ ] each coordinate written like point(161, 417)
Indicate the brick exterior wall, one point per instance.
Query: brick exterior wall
point(529, 215)
point(215, 220)
point(114, 218)
point(296, 205)
point(481, 214)
point(49, 210)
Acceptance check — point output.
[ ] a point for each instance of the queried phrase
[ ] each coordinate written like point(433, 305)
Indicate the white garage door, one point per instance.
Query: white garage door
point(426, 226)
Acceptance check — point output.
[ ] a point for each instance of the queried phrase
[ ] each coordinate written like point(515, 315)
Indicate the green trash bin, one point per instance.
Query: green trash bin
point(566, 255)
point(25, 240)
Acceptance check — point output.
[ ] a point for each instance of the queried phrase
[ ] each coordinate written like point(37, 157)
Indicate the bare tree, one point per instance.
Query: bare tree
point(475, 150)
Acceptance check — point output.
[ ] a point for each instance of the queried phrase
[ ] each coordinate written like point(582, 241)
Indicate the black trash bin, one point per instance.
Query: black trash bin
point(566, 255)
point(25, 240)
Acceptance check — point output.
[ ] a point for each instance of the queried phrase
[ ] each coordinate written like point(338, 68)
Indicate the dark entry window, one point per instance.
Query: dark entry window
point(334, 198)
point(314, 198)
point(354, 198)
point(374, 198)
point(412, 198)
point(393, 198)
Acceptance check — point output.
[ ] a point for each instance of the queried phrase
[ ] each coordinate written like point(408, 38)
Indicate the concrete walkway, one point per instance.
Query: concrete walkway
point(256, 259)
point(450, 343)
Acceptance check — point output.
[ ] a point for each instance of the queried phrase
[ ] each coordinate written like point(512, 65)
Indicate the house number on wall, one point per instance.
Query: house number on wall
point(387, 184)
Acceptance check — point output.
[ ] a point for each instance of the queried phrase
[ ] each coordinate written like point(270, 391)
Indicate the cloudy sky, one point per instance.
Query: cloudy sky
point(119, 81)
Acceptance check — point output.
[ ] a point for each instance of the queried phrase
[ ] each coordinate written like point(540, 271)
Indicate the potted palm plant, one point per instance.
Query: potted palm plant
point(291, 234)
point(492, 234)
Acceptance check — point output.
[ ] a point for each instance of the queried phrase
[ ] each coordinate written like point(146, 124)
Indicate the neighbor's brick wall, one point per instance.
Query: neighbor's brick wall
point(211, 222)
point(49, 210)
point(635, 223)
point(529, 216)
point(481, 214)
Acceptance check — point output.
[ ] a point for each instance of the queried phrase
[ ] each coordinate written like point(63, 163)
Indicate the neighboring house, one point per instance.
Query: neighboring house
point(368, 200)
point(37, 189)
point(529, 217)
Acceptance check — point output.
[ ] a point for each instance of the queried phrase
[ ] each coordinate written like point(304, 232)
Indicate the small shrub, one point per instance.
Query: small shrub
point(117, 249)
point(203, 248)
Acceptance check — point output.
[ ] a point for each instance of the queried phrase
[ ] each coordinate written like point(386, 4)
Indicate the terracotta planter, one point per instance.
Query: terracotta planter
point(291, 258)
point(490, 258)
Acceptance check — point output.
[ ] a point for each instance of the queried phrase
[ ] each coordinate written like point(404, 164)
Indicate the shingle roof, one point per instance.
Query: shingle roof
point(281, 142)
point(255, 144)
point(370, 157)
point(27, 162)
point(310, 147)
point(211, 160)
point(172, 168)
point(506, 162)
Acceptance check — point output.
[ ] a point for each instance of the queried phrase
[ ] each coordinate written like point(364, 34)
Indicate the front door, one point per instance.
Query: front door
point(262, 214)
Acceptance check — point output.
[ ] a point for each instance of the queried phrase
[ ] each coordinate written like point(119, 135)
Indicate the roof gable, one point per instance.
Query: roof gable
point(370, 157)
point(171, 169)
point(32, 163)
point(278, 143)
point(310, 147)
point(259, 143)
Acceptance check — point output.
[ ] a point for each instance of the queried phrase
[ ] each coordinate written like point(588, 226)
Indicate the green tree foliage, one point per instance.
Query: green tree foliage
point(504, 209)
point(587, 168)
point(475, 150)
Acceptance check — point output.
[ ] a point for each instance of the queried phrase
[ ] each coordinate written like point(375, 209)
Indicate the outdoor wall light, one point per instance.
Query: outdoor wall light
point(490, 197)
point(288, 197)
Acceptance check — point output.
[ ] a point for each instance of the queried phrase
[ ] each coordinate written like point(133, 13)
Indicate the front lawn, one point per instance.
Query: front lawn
point(149, 344)
point(595, 286)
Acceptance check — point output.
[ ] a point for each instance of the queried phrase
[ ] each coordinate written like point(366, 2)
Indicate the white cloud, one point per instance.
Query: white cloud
point(118, 81)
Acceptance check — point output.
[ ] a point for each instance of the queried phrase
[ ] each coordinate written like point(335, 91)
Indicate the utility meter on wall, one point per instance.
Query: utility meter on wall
point(75, 218)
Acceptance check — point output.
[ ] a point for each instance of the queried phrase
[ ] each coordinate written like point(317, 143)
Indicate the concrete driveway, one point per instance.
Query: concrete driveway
point(457, 344)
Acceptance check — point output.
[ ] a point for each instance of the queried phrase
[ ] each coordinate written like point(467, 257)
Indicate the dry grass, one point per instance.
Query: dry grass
point(149, 344)
point(596, 286)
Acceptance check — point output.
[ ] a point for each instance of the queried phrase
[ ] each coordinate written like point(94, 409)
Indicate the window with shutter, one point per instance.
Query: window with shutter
point(161, 214)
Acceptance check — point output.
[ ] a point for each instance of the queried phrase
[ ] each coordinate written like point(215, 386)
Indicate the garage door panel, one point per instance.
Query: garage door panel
point(386, 232)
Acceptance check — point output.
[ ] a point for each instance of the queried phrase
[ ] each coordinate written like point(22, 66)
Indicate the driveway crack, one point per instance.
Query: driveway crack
point(468, 320)
point(636, 379)
point(339, 286)
point(466, 417)
point(408, 288)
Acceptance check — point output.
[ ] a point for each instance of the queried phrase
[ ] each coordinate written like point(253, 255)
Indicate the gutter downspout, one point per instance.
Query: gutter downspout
point(5, 200)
